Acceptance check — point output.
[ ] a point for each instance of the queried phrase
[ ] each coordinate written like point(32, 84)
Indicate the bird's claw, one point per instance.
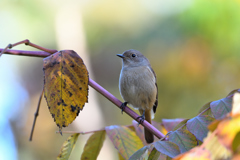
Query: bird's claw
point(142, 118)
point(123, 105)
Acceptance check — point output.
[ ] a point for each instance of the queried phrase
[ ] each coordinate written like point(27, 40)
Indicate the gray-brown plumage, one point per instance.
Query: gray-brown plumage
point(138, 86)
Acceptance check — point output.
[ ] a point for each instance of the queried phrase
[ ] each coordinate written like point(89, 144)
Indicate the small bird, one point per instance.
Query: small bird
point(138, 86)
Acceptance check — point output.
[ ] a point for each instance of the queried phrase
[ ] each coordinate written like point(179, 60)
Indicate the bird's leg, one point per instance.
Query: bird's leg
point(142, 118)
point(123, 105)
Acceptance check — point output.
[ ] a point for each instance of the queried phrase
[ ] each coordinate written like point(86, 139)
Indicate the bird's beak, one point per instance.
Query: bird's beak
point(120, 55)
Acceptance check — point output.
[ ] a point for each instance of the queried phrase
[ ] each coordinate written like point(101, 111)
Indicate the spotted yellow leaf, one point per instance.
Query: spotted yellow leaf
point(65, 86)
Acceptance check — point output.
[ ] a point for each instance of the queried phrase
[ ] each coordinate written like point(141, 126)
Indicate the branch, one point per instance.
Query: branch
point(26, 53)
point(97, 87)
point(130, 112)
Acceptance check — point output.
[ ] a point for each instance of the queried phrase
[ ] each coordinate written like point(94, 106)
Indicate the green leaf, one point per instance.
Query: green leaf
point(168, 148)
point(236, 143)
point(154, 155)
point(198, 126)
point(67, 147)
point(184, 139)
point(124, 139)
point(140, 154)
point(93, 146)
point(206, 106)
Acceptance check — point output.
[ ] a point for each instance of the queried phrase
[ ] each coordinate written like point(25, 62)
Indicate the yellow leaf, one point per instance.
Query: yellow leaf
point(196, 153)
point(120, 157)
point(67, 147)
point(65, 86)
point(93, 145)
point(124, 139)
point(227, 130)
point(217, 150)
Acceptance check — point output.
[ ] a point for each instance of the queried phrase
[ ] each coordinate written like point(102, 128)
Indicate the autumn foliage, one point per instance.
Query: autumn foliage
point(65, 86)
point(214, 133)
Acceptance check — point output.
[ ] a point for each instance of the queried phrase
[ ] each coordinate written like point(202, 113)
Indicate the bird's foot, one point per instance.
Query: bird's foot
point(123, 105)
point(142, 118)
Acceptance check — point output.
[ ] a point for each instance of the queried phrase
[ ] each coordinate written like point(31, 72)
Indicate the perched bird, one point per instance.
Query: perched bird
point(138, 86)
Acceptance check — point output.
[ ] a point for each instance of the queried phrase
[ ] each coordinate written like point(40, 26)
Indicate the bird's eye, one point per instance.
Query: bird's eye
point(133, 55)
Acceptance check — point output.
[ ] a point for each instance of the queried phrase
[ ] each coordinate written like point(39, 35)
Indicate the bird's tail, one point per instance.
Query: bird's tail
point(148, 135)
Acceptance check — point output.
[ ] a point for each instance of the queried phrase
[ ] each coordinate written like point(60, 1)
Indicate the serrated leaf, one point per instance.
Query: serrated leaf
point(168, 148)
point(184, 139)
point(140, 154)
point(124, 139)
point(170, 124)
point(67, 147)
point(65, 86)
point(93, 146)
point(221, 107)
point(198, 126)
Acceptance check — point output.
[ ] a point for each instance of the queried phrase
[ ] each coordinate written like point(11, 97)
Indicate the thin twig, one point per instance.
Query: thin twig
point(36, 115)
point(27, 42)
point(26, 53)
point(88, 132)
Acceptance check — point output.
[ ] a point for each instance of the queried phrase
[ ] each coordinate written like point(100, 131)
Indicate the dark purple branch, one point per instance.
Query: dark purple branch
point(96, 86)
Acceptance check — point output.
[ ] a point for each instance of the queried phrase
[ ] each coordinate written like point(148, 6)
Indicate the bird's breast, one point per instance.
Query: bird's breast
point(137, 87)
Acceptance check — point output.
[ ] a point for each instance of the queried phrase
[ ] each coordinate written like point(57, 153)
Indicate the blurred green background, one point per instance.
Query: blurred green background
point(193, 46)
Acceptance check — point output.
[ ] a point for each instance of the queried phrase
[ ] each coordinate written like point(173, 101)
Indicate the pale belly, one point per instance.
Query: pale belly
point(137, 87)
